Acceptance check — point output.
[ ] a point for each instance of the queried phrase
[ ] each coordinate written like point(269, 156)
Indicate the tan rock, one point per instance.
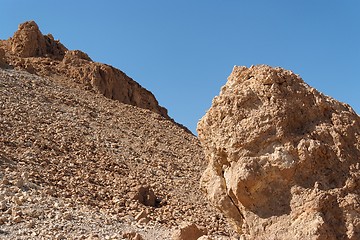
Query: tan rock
point(31, 224)
point(142, 217)
point(67, 216)
point(3, 219)
point(188, 231)
point(59, 236)
point(20, 182)
point(2, 58)
point(205, 237)
point(3, 205)
point(28, 41)
point(132, 236)
point(144, 195)
point(284, 159)
point(74, 56)
point(17, 219)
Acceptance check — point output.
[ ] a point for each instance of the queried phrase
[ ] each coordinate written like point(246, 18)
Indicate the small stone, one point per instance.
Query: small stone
point(5, 181)
point(31, 224)
point(25, 177)
point(18, 200)
point(132, 236)
point(141, 215)
point(20, 183)
point(60, 237)
point(67, 216)
point(138, 237)
point(3, 205)
point(188, 231)
point(144, 195)
point(144, 221)
point(3, 219)
point(17, 219)
point(205, 237)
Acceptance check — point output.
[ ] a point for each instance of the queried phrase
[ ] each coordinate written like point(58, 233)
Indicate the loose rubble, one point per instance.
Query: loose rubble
point(284, 160)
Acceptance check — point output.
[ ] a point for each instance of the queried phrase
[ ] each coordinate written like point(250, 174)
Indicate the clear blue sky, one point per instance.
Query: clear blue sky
point(183, 51)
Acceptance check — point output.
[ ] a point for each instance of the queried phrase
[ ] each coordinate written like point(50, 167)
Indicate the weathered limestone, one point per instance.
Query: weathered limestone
point(284, 159)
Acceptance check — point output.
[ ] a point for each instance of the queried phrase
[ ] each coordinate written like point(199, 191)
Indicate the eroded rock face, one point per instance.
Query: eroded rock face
point(284, 160)
point(109, 81)
point(28, 41)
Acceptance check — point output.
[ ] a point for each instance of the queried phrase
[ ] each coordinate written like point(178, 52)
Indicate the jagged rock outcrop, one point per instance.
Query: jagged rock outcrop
point(284, 159)
point(40, 54)
point(28, 41)
point(109, 81)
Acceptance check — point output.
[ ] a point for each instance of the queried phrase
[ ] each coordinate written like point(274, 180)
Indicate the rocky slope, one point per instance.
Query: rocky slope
point(76, 159)
point(75, 164)
point(284, 160)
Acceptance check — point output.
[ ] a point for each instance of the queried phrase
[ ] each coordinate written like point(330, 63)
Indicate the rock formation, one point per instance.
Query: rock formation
point(34, 52)
point(284, 159)
point(28, 41)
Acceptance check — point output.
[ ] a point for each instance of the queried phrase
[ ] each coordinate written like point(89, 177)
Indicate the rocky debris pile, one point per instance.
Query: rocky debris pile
point(34, 52)
point(116, 165)
point(27, 212)
point(284, 160)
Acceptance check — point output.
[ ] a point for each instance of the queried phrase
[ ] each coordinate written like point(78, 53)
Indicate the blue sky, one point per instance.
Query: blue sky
point(183, 51)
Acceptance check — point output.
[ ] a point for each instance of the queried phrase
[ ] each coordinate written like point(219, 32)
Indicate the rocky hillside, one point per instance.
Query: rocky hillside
point(284, 159)
point(87, 153)
point(76, 164)
point(40, 54)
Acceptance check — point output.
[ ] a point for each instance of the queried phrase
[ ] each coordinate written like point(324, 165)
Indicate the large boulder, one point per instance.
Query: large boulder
point(284, 159)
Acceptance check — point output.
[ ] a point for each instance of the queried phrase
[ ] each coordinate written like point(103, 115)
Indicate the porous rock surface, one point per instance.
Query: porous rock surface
point(284, 159)
point(34, 52)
